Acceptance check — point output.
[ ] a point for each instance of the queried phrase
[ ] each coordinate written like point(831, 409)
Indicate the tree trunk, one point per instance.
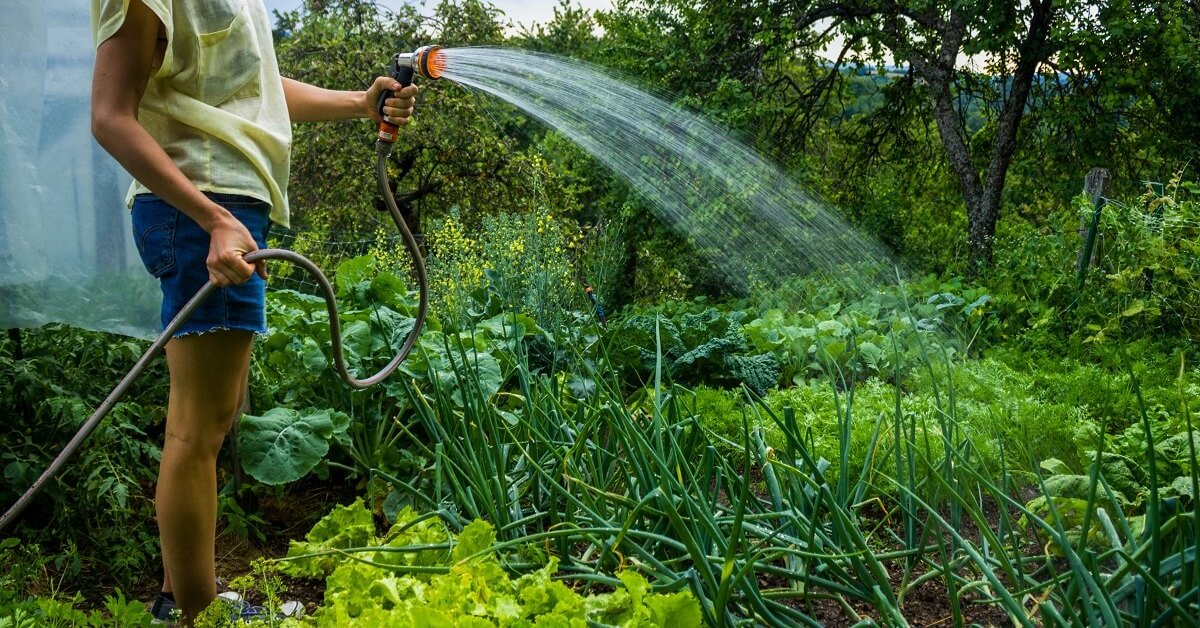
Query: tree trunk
point(981, 192)
point(1034, 48)
point(981, 231)
point(938, 73)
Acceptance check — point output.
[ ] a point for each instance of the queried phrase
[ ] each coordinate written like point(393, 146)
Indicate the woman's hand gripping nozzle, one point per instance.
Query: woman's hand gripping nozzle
point(426, 61)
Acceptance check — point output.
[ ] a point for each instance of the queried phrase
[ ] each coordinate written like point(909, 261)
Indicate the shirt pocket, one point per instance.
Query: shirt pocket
point(230, 62)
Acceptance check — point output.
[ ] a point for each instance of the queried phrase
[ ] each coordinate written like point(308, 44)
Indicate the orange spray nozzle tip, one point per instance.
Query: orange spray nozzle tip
point(429, 62)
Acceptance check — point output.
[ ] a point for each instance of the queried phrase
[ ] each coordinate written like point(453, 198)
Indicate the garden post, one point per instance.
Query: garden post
point(1096, 187)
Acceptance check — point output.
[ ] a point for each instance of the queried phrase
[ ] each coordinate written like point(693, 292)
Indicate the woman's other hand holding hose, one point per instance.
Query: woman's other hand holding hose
point(230, 242)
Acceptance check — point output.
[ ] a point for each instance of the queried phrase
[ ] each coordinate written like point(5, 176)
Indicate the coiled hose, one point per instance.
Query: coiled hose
point(382, 150)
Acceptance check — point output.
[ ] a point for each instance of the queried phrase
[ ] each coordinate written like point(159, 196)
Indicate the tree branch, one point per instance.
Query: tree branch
point(1032, 50)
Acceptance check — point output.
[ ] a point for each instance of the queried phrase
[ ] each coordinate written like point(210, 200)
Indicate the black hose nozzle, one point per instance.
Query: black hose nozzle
point(425, 61)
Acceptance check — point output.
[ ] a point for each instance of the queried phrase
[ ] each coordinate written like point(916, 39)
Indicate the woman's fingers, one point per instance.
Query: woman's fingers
point(397, 115)
point(399, 108)
point(230, 241)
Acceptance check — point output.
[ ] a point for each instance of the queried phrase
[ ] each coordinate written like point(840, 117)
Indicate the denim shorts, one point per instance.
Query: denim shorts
point(174, 248)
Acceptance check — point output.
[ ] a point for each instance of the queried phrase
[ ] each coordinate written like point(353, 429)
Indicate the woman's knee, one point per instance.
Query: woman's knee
point(198, 435)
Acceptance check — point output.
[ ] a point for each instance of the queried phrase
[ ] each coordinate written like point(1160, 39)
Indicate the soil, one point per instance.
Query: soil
point(289, 516)
point(928, 604)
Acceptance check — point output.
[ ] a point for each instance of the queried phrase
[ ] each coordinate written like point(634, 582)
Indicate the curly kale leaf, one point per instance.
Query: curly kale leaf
point(694, 347)
point(758, 372)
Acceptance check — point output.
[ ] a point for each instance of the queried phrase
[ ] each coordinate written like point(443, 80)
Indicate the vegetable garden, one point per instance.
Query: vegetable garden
point(1005, 443)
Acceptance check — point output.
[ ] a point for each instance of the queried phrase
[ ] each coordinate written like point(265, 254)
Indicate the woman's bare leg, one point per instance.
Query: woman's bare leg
point(207, 376)
point(243, 408)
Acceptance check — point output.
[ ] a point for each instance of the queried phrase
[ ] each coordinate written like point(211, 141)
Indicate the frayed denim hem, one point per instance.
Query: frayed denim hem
point(189, 333)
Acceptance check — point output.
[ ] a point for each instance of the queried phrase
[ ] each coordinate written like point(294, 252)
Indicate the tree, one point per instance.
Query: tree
point(460, 151)
point(974, 70)
point(1128, 91)
point(933, 40)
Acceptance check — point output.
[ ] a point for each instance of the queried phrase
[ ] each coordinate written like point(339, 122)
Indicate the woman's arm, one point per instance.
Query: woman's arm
point(309, 103)
point(124, 63)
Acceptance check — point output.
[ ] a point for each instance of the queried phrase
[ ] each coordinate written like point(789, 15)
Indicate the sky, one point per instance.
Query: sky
point(523, 12)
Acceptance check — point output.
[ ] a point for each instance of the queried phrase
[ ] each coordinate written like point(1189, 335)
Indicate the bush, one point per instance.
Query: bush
point(102, 495)
point(1146, 283)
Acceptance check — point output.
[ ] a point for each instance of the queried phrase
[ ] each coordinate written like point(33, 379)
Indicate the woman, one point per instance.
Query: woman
point(187, 96)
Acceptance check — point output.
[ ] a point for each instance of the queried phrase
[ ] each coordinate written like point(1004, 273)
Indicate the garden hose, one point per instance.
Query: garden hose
point(426, 61)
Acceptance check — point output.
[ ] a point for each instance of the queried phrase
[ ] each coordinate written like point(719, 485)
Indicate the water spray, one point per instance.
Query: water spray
point(427, 62)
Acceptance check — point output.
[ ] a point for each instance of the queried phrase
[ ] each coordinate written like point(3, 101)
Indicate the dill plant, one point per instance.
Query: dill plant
point(600, 257)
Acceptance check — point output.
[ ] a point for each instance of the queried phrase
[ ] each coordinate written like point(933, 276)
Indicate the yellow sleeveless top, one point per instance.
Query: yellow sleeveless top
point(216, 103)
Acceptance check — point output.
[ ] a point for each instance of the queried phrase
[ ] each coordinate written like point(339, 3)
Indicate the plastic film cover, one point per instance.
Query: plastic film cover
point(66, 251)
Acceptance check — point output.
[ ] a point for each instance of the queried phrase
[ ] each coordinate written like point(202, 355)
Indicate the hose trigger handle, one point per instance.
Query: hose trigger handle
point(403, 73)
